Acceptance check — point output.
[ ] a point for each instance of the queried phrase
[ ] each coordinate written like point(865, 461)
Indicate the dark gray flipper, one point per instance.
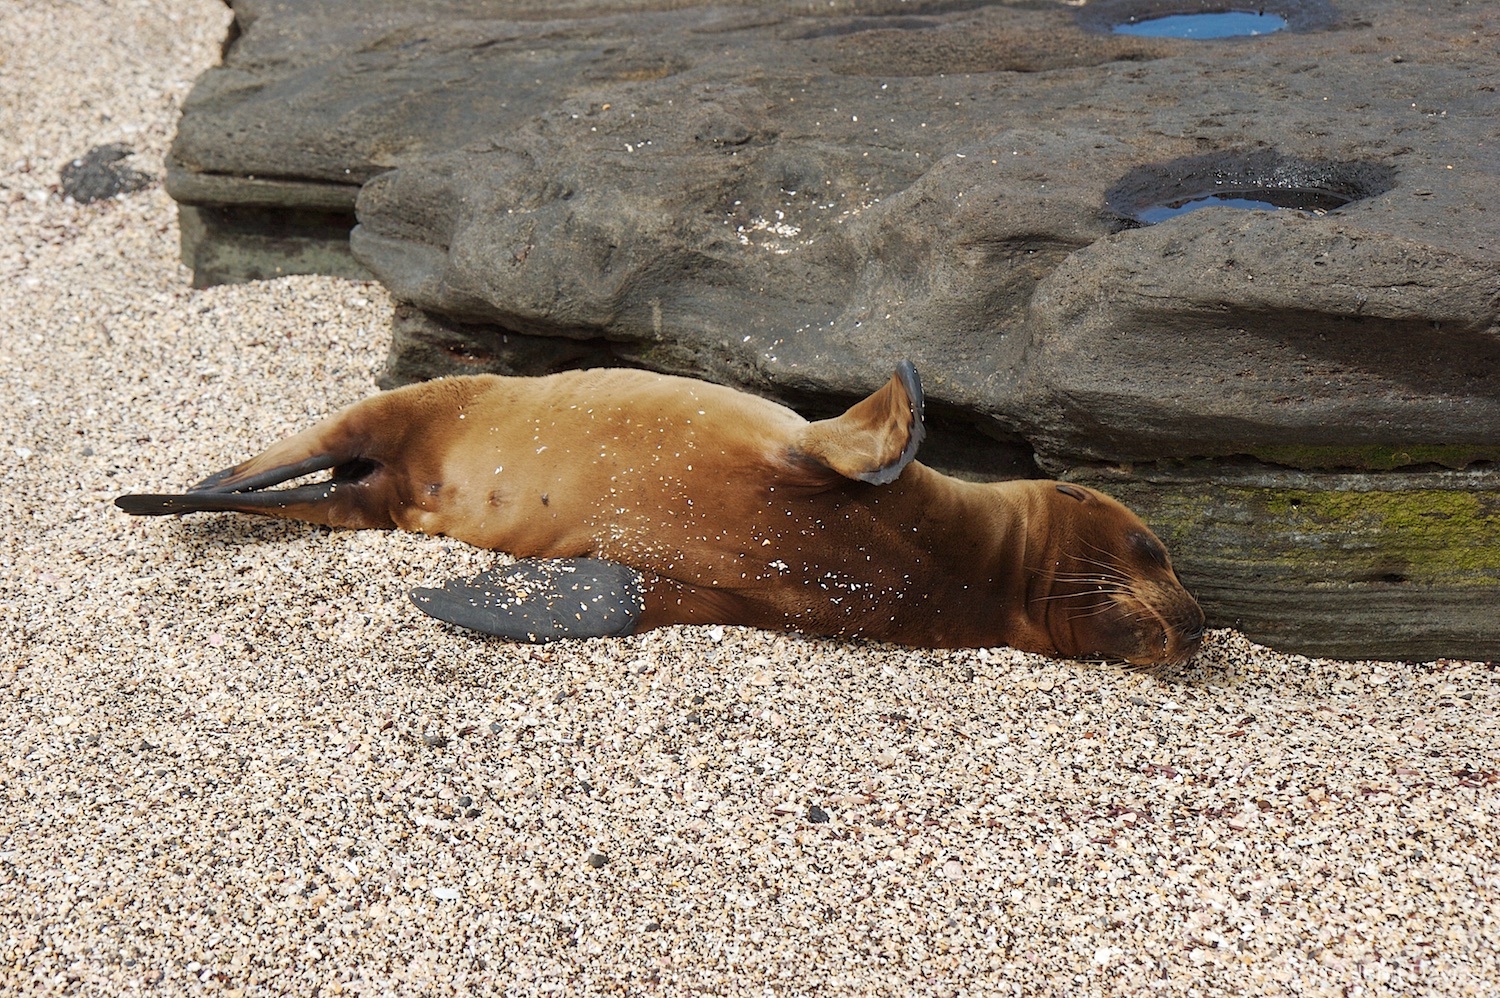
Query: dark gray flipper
point(269, 477)
point(906, 374)
point(224, 502)
point(542, 599)
point(873, 441)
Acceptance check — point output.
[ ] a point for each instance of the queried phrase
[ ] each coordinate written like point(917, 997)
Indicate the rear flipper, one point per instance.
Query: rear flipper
point(278, 501)
point(357, 494)
point(237, 480)
point(354, 443)
point(542, 599)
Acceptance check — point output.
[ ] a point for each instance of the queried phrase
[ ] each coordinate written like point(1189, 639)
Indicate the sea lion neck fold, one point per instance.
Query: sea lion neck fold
point(720, 507)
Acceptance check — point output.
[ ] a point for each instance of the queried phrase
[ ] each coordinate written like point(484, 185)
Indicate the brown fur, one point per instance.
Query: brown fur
point(736, 510)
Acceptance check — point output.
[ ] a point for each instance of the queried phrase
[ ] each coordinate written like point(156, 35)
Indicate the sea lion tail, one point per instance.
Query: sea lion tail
point(875, 439)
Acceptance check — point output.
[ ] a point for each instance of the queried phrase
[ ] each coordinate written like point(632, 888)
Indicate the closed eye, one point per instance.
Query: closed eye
point(1150, 547)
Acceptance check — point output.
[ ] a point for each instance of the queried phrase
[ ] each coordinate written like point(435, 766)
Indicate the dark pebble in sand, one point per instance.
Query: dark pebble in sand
point(98, 175)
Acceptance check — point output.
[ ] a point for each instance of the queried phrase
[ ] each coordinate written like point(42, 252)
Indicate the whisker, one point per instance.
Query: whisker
point(1091, 580)
point(1094, 612)
point(1101, 605)
point(1105, 568)
point(1093, 592)
point(1139, 614)
point(1104, 551)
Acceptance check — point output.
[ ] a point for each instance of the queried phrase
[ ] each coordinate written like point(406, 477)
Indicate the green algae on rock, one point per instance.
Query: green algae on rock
point(1410, 562)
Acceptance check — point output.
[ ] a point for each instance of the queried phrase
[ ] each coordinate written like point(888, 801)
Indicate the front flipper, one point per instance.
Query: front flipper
point(542, 599)
point(872, 442)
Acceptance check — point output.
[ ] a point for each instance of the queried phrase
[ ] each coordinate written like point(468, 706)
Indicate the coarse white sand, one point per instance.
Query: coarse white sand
point(235, 758)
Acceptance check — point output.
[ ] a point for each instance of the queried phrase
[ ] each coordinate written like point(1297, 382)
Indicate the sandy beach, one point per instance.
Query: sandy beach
point(237, 759)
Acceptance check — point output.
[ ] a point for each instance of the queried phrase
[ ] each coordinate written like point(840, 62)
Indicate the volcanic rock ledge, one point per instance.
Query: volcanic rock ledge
point(1305, 405)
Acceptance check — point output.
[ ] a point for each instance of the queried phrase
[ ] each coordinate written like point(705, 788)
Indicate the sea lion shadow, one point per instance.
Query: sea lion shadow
point(230, 530)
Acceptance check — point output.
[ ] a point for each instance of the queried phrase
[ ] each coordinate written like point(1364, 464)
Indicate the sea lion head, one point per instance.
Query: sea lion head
point(1107, 587)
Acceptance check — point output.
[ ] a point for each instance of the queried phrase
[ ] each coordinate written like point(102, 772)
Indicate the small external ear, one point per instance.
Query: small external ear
point(876, 438)
point(1073, 492)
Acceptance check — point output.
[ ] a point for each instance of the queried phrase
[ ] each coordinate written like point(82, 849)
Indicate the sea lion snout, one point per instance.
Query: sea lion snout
point(1169, 626)
point(1113, 591)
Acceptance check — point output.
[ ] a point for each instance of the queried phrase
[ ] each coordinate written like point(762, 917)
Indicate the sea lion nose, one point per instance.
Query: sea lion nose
point(1191, 622)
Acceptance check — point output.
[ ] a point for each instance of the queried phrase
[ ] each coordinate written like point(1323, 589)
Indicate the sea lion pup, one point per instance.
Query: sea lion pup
point(637, 500)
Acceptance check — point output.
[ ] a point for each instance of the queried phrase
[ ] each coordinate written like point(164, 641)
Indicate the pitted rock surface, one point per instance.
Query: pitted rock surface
point(791, 197)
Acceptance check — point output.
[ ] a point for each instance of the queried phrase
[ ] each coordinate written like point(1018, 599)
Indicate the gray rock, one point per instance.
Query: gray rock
point(235, 243)
point(1295, 339)
point(1344, 565)
point(791, 200)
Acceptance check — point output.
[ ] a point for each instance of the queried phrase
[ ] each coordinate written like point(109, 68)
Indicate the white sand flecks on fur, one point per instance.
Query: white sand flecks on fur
point(234, 757)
